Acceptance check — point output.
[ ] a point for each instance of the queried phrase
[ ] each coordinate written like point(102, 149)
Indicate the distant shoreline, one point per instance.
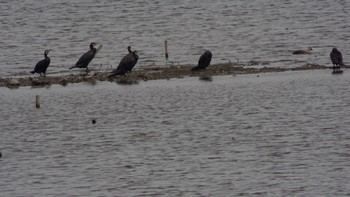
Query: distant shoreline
point(149, 74)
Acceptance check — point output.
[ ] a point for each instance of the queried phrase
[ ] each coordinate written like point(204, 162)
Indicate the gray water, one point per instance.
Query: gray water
point(256, 30)
point(279, 134)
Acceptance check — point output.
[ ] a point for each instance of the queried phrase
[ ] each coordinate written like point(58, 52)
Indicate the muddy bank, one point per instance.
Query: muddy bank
point(148, 74)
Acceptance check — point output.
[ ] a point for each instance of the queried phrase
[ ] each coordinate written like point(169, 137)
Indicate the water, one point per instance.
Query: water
point(280, 134)
point(258, 30)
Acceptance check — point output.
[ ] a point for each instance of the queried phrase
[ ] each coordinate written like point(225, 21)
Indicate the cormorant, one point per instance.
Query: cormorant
point(203, 61)
point(42, 65)
point(303, 52)
point(85, 59)
point(126, 64)
point(337, 59)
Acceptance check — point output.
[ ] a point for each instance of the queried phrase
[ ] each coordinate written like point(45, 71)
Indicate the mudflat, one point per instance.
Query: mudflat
point(148, 74)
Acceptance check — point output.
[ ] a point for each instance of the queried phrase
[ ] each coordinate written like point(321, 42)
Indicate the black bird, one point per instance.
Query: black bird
point(203, 61)
point(42, 65)
point(126, 64)
point(337, 59)
point(86, 58)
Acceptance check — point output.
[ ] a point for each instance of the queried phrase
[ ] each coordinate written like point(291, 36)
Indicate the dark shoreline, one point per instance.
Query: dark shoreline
point(149, 74)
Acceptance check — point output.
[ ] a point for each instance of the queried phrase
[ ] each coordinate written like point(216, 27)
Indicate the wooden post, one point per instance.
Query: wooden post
point(166, 50)
point(37, 101)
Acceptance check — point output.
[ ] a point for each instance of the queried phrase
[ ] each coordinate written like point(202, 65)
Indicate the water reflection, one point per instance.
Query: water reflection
point(126, 81)
point(206, 78)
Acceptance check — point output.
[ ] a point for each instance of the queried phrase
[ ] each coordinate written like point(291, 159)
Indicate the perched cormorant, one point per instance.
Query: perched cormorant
point(42, 65)
point(203, 61)
point(303, 52)
point(126, 64)
point(85, 59)
point(337, 59)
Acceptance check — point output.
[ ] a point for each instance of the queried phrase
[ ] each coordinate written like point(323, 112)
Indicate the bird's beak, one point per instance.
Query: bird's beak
point(99, 46)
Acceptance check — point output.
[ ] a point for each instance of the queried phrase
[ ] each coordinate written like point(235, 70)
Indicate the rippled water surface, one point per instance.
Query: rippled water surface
point(279, 134)
point(258, 30)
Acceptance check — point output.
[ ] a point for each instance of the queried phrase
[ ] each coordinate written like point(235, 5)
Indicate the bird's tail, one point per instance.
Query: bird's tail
point(32, 71)
point(72, 67)
point(113, 73)
point(117, 72)
point(195, 68)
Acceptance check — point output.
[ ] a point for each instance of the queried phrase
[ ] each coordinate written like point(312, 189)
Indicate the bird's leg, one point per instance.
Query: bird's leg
point(125, 75)
point(87, 70)
point(40, 74)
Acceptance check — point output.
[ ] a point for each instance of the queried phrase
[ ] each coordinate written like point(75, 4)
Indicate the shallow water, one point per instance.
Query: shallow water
point(258, 30)
point(279, 134)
